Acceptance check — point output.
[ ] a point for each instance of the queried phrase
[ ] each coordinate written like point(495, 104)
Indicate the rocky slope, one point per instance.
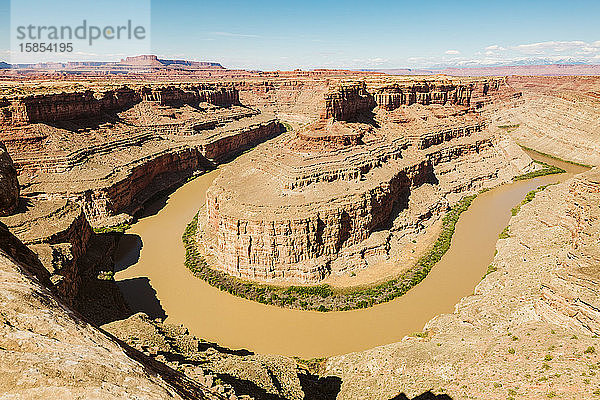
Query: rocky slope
point(530, 328)
point(95, 157)
point(48, 351)
point(559, 116)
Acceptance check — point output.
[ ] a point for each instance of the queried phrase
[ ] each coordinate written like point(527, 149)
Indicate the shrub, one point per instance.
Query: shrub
point(547, 170)
point(106, 275)
point(504, 234)
point(121, 228)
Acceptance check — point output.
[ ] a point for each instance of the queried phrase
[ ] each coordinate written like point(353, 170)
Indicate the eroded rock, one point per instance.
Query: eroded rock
point(9, 184)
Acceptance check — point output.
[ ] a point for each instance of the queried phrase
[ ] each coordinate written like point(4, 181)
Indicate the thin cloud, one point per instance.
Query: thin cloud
point(573, 47)
point(452, 52)
point(494, 47)
point(236, 35)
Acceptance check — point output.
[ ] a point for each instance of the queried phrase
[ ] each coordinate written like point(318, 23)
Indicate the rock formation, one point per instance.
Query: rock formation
point(337, 192)
point(348, 102)
point(368, 167)
point(531, 325)
point(556, 115)
point(94, 157)
point(9, 196)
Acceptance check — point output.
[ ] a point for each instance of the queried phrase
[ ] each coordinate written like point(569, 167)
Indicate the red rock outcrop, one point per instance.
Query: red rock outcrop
point(88, 104)
point(390, 97)
point(170, 95)
point(348, 102)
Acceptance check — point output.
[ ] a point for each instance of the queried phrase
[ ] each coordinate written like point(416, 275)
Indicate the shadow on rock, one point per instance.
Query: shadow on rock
point(320, 387)
point(425, 396)
point(141, 297)
point(204, 346)
point(128, 251)
point(155, 204)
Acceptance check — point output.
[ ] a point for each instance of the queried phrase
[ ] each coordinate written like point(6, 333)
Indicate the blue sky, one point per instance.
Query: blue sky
point(265, 34)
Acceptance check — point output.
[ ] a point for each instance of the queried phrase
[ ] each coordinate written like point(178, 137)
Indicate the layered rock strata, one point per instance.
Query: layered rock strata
point(348, 102)
point(95, 158)
point(532, 324)
point(339, 192)
point(48, 351)
point(88, 104)
point(556, 115)
point(9, 196)
point(110, 151)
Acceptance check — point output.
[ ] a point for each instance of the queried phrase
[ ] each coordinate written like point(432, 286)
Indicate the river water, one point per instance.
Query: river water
point(153, 279)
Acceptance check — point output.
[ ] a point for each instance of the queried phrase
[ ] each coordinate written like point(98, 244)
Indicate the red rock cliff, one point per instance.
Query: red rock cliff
point(348, 102)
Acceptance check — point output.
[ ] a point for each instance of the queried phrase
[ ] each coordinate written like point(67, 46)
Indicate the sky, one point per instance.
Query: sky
point(373, 34)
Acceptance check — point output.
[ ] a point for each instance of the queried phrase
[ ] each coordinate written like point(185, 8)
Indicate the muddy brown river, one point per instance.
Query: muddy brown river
point(153, 279)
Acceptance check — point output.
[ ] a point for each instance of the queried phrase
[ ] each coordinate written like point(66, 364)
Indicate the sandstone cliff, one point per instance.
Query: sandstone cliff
point(89, 104)
point(112, 150)
point(348, 102)
point(556, 115)
point(337, 193)
point(531, 325)
point(9, 196)
point(47, 351)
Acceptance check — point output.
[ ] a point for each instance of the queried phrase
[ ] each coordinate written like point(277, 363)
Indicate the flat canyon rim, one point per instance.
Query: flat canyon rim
point(154, 279)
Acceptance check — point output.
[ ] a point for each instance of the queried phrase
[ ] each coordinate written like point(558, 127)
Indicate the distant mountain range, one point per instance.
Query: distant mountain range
point(129, 64)
point(153, 64)
point(539, 70)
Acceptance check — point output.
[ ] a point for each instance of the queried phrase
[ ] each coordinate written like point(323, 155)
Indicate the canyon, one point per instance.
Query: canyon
point(344, 178)
point(355, 187)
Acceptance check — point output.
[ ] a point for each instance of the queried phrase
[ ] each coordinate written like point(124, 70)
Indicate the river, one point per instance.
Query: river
point(152, 278)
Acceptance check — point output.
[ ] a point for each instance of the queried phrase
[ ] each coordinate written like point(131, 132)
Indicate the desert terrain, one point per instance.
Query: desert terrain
point(320, 196)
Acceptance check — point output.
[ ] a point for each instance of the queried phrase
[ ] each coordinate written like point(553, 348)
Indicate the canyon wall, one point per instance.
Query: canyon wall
point(232, 144)
point(529, 327)
point(332, 188)
point(274, 247)
point(556, 115)
point(50, 108)
point(138, 183)
point(302, 242)
point(393, 96)
point(293, 100)
point(110, 151)
point(192, 94)
point(469, 94)
point(9, 195)
point(68, 106)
